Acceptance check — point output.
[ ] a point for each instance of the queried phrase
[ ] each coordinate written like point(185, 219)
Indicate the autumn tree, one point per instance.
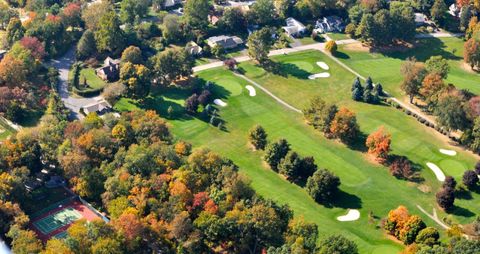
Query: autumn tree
point(470, 179)
point(331, 47)
point(445, 198)
point(191, 104)
point(401, 167)
point(136, 78)
point(258, 137)
point(432, 87)
point(344, 126)
point(378, 144)
point(275, 152)
point(35, 46)
point(322, 185)
point(471, 53)
point(132, 55)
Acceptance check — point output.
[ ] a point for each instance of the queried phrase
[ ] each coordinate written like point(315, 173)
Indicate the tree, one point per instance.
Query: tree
point(290, 166)
point(55, 246)
point(322, 185)
point(357, 90)
point(15, 31)
point(25, 241)
point(113, 92)
point(413, 225)
point(86, 46)
point(171, 28)
point(130, 10)
point(369, 84)
point(12, 71)
point(366, 28)
point(344, 126)
point(304, 232)
point(438, 65)
point(428, 236)
point(262, 13)
point(196, 13)
point(451, 113)
point(401, 167)
point(320, 114)
point(445, 198)
point(132, 55)
point(34, 45)
point(439, 11)
point(232, 20)
point(449, 183)
point(92, 14)
point(275, 152)
point(109, 37)
point(331, 47)
point(136, 78)
point(170, 65)
point(191, 104)
point(470, 179)
point(72, 15)
point(378, 144)
point(337, 244)
point(258, 137)
point(413, 75)
point(260, 43)
point(382, 34)
point(471, 53)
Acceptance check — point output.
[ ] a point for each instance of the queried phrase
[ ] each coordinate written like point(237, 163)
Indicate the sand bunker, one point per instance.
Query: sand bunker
point(448, 152)
point(352, 214)
point(323, 65)
point(251, 90)
point(437, 171)
point(219, 102)
point(319, 75)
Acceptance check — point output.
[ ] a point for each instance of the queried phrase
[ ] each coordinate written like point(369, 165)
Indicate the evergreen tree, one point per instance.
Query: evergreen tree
point(367, 96)
point(275, 152)
point(357, 94)
point(369, 84)
point(258, 137)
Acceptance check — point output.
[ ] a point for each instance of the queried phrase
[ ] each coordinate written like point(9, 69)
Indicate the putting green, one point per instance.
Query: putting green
point(230, 84)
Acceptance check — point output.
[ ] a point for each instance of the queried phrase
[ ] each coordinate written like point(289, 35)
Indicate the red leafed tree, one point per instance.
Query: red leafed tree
point(35, 46)
point(210, 207)
point(401, 168)
point(72, 14)
point(461, 3)
point(129, 225)
point(474, 106)
point(200, 199)
point(378, 144)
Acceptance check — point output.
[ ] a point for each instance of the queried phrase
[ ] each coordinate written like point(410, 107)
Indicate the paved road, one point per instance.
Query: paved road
point(63, 65)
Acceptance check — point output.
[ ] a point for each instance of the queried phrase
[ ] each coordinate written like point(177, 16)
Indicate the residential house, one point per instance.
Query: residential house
point(213, 19)
point(226, 42)
point(294, 28)
point(329, 24)
point(110, 71)
point(193, 49)
point(420, 19)
point(454, 10)
point(100, 107)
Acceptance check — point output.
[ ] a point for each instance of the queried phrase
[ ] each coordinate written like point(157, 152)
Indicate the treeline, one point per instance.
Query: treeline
point(161, 195)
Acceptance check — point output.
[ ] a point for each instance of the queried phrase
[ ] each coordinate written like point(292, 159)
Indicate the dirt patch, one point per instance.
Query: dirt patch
point(359, 47)
point(424, 188)
point(466, 67)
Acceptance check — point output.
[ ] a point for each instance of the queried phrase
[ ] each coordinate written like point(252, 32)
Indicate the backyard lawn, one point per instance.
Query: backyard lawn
point(385, 67)
point(366, 185)
point(93, 80)
point(338, 36)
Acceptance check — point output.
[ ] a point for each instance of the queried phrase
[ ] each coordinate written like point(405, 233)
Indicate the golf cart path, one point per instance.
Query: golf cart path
point(433, 216)
point(268, 92)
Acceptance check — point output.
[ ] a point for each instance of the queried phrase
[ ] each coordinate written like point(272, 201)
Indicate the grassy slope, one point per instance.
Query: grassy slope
point(365, 185)
point(385, 68)
point(7, 130)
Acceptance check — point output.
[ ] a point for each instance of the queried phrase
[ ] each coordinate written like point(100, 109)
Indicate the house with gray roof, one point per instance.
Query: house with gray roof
point(294, 27)
point(226, 42)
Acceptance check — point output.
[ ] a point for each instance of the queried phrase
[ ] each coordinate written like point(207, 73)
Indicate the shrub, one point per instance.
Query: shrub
point(378, 144)
point(322, 185)
point(401, 168)
point(350, 30)
point(428, 236)
point(331, 47)
point(113, 92)
point(258, 137)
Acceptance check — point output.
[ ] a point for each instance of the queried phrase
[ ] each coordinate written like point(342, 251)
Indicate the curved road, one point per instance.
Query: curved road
point(63, 65)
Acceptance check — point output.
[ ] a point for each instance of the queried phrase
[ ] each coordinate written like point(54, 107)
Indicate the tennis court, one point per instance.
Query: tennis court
point(57, 220)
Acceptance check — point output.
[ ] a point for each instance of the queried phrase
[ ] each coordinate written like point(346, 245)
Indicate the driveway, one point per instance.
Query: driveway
point(63, 65)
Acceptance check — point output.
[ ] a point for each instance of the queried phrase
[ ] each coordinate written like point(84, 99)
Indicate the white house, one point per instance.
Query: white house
point(171, 3)
point(294, 27)
point(100, 107)
point(193, 49)
point(329, 24)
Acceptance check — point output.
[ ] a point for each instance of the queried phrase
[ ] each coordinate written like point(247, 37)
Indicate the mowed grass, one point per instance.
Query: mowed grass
point(385, 67)
point(365, 185)
point(5, 130)
point(93, 80)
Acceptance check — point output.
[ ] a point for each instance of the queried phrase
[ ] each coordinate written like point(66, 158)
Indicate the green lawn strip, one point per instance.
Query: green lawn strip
point(409, 138)
point(338, 36)
point(93, 80)
point(385, 68)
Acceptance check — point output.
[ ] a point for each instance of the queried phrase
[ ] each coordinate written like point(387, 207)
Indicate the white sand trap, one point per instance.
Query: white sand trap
point(323, 65)
point(319, 75)
point(219, 102)
point(437, 171)
point(448, 152)
point(352, 214)
point(251, 90)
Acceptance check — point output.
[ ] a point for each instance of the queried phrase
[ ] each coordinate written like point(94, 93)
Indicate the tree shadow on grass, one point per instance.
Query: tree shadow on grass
point(345, 200)
point(359, 143)
point(341, 55)
point(463, 194)
point(285, 69)
point(460, 211)
point(424, 49)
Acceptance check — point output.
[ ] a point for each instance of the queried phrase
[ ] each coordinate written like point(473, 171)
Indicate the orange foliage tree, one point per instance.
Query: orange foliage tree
point(344, 126)
point(432, 85)
point(402, 225)
point(378, 144)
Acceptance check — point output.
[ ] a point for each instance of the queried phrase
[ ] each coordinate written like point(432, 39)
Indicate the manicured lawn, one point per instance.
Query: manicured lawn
point(338, 36)
point(92, 79)
point(385, 67)
point(365, 185)
point(307, 40)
